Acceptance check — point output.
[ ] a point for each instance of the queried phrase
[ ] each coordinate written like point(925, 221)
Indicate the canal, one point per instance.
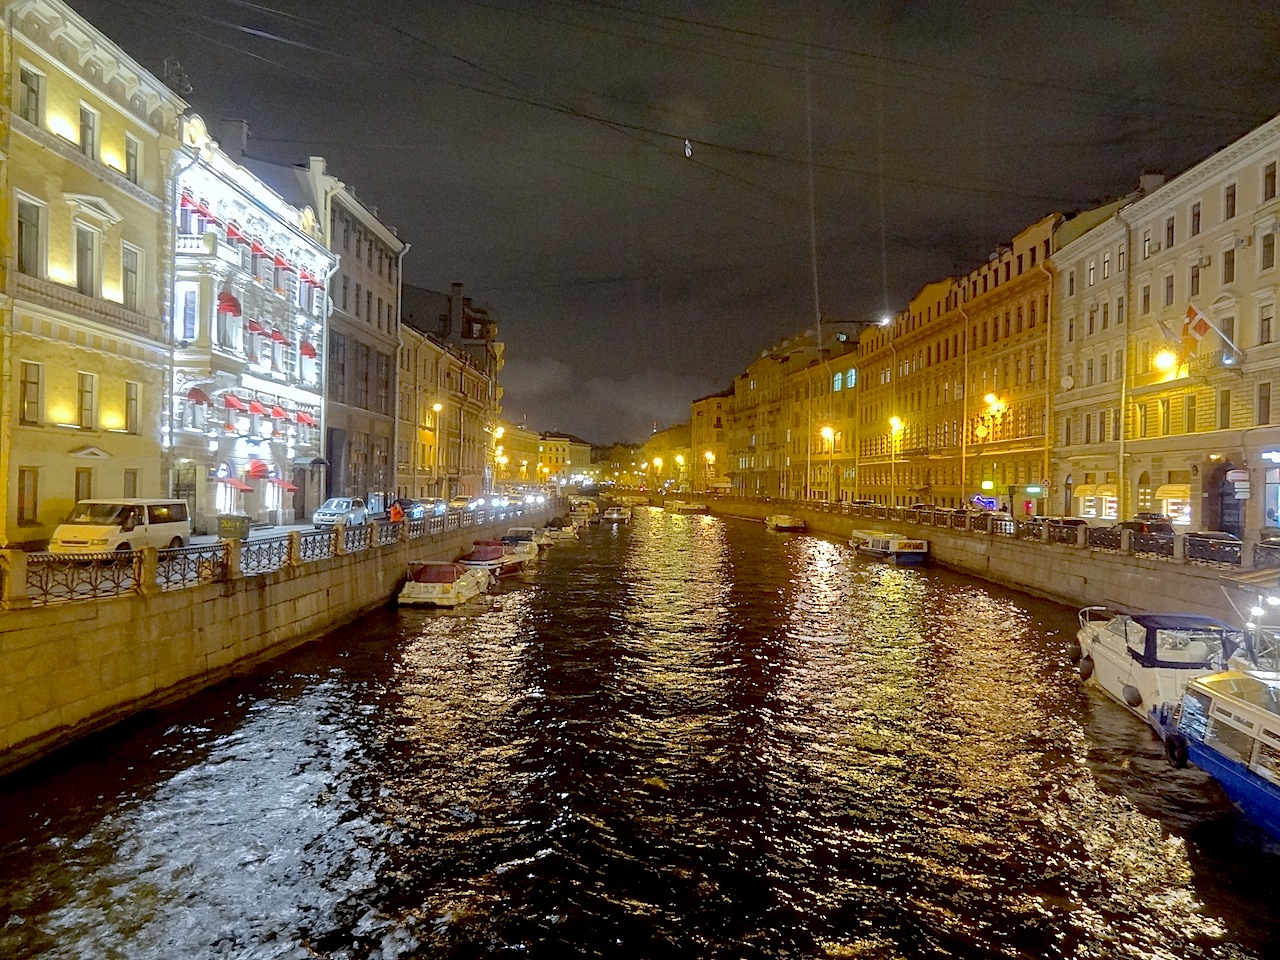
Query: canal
point(683, 738)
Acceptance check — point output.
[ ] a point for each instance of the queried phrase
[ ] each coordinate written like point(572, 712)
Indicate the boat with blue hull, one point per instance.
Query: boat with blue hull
point(902, 551)
point(1229, 727)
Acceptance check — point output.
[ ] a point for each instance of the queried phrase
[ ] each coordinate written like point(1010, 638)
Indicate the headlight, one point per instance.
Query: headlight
point(98, 543)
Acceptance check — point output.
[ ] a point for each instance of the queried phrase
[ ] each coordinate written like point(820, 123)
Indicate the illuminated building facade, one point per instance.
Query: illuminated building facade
point(516, 456)
point(1197, 434)
point(708, 442)
point(84, 347)
point(563, 458)
point(249, 318)
point(668, 460)
point(620, 464)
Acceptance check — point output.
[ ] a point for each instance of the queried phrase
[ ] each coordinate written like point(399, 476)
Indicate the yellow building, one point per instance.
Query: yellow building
point(668, 460)
point(620, 465)
point(709, 442)
point(563, 459)
point(84, 350)
point(516, 457)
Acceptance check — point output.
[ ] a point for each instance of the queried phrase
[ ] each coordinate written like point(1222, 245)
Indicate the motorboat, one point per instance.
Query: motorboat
point(784, 523)
point(616, 514)
point(521, 543)
point(519, 536)
point(1144, 661)
point(560, 528)
point(1229, 727)
point(685, 506)
point(901, 551)
point(442, 583)
point(584, 511)
point(494, 556)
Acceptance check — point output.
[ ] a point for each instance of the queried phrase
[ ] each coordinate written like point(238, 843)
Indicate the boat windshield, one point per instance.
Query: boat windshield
point(96, 514)
point(1191, 646)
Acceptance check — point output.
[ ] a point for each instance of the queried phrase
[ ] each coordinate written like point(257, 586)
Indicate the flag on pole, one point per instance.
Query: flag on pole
point(1194, 327)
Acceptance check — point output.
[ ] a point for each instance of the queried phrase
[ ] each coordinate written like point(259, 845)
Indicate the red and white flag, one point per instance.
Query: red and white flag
point(1194, 327)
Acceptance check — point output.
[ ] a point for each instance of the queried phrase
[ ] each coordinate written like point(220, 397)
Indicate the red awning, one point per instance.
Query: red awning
point(232, 402)
point(316, 282)
point(256, 247)
point(307, 349)
point(187, 202)
point(305, 275)
point(228, 304)
point(284, 485)
point(258, 470)
point(281, 262)
point(202, 210)
point(196, 395)
point(234, 233)
point(256, 407)
point(255, 327)
point(279, 337)
point(277, 413)
point(305, 418)
point(236, 484)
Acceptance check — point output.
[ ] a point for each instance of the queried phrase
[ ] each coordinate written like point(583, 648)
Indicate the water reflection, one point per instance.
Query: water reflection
point(682, 737)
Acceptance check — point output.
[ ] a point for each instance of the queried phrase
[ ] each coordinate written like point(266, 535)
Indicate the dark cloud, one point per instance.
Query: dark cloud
point(535, 152)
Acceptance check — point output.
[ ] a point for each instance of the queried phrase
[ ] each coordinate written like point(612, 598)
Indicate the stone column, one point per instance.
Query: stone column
point(295, 549)
point(13, 579)
point(339, 540)
point(149, 580)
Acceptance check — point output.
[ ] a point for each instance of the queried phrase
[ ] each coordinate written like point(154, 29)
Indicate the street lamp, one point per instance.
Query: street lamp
point(711, 466)
point(895, 431)
point(679, 470)
point(829, 438)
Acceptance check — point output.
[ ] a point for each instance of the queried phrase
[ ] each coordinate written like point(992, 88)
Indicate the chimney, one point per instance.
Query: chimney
point(318, 165)
point(1150, 182)
point(235, 138)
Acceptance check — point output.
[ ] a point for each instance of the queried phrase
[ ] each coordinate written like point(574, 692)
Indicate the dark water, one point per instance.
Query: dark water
point(688, 738)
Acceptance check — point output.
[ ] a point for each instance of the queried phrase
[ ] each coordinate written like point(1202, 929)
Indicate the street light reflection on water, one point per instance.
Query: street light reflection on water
point(682, 737)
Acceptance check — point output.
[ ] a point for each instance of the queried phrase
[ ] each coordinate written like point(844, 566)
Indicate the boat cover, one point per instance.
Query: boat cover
point(1169, 634)
point(433, 571)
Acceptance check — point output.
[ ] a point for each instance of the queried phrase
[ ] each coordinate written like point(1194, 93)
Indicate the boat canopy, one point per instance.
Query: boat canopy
point(1179, 640)
point(435, 571)
point(485, 550)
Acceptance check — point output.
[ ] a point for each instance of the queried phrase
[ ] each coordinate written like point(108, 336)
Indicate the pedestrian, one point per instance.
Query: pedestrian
point(397, 512)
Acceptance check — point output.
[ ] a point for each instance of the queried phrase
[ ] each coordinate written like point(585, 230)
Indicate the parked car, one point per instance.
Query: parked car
point(1054, 523)
point(96, 526)
point(1161, 528)
point(462, 503)
point(348, 511)
point(413, 509)
point(1153, 517)
point(1212, 545)
point(434, 506)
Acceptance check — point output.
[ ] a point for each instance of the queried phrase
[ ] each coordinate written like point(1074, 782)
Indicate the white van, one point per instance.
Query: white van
point(96, 526)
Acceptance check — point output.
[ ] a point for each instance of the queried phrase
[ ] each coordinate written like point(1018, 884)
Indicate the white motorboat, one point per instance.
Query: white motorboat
point(442, 583)
point(784, 523)
point(522, 542)
point(1144, 661)
point(494, 556)
point(902, 551)
point(560, 528)
point(616, 514)
point(583, 511)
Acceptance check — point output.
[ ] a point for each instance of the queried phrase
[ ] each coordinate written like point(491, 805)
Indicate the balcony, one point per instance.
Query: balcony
point(71, 301)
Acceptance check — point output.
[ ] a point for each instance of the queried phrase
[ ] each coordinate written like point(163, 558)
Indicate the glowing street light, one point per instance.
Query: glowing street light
point(1165, 360)
point(829, 438)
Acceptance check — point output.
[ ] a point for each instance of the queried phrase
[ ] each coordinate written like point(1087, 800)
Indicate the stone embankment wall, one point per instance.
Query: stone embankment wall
point(1068, 574)
point(68, 669)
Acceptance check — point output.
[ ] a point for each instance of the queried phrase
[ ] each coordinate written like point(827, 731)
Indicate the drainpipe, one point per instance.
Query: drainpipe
point(1122, 489)
point(395, 395)
point(1046, 478)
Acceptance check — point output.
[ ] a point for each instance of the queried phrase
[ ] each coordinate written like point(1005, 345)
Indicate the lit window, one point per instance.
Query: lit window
point(132, 158)
point(30, 95)
point(88, 131)
point(130, 266)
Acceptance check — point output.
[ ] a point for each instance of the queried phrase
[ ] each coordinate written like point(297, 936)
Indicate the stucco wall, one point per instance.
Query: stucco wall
point(70, 668)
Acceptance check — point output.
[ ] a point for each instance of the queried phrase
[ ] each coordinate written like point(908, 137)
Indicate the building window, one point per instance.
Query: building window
point(85, 401)
point(1228, 266)
point(1224, 409)
point(84, 483)
point(1229, 202)
point(1071, 283)
point(130, 488)
point(28, 490)
point(1146, 244)
point(1168, 290)
point(86, 261)
point(1266, 314)
point(130, 264)
point(31, 95)
point(1071, 329)
point(1106, 265)
point(1189, 412)
point(1119, 309)
point(132, 158)
point(30, 239)
point(1088, 373)
point(1194, 280)
point(1146, 299)
point(1093, 272)
point(189, 320)
point(88, 131)
point(29, 397)
point(1144, 425)
point(1195, 219)
point(1120, 259)
point(358, 290)
point(131, 420)
point(1264, 403)
point(1162, 409)
point(1268, 251)
point(1269, 181)
point(1168, 233)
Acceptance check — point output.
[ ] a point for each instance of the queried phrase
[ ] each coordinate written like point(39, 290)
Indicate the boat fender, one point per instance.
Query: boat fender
point(1132, 695)
point(1085, 668)
point(1175, 750)
point(1074, 651)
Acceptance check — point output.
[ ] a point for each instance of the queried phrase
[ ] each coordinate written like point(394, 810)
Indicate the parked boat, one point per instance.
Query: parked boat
point(616, 515)
point(1229, 727)
point(533, 535)
point(560, 528)
point(442, 583)
point(902, 551)
point(494, 556)
point(784, 523)
point(1145, 661)
point(522, 542)
point(685, 506)
point(584, 511)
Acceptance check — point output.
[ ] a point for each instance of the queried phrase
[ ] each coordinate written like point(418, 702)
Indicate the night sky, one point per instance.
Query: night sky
point(536, 152)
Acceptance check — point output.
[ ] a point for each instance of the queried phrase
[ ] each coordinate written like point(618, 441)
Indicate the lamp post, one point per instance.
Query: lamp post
point(991, 417)
point(679, 471)
point(895, 431)
point(711, 466)
point(829, 438)
point(657, 471)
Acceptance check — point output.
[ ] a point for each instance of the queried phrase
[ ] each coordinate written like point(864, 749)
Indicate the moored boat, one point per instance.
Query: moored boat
point(1229, 727)
point(902, 551)
point(1144, 661)
point(784, 523)
point(494, 556)
point(616, 514)
point(560, 528)
point(530, 534)
point(442, 583)
point(522, 542)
